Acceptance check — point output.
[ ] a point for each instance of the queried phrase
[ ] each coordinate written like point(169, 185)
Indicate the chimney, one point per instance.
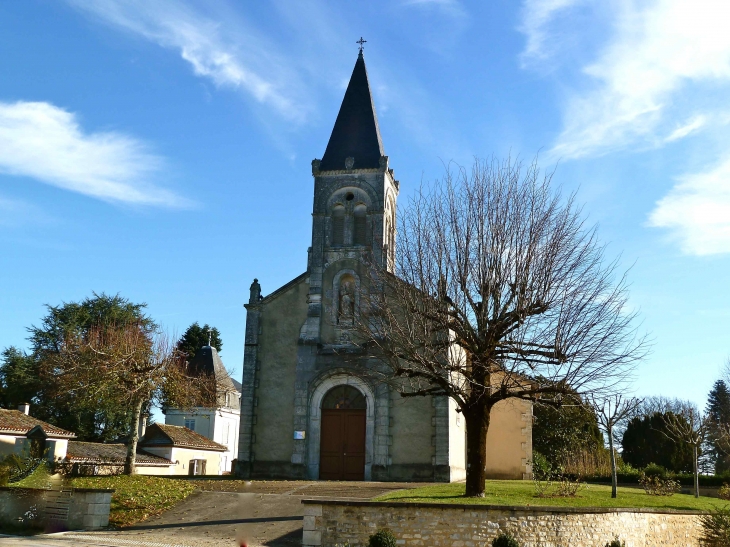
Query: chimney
point(24, 408)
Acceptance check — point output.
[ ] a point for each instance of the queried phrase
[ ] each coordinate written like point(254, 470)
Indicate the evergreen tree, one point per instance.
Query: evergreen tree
point(718, 410)
point(21, 379)
point(647, 440)
point(557, 432)
point(195, 337)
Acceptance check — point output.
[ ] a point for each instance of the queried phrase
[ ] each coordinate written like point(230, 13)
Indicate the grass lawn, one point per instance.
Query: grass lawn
point(139, 497)
point(523, 493)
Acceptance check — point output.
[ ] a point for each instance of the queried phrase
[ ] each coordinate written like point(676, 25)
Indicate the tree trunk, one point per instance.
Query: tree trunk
point(614, 478)
point(697, 474)
point(130, 464)
point(477, 425)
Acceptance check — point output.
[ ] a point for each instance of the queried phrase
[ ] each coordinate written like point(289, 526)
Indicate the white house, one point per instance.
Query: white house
point(21, 433)
point(219, 424)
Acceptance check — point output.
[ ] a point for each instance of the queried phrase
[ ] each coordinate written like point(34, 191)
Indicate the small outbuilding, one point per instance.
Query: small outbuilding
point(88, 459)
point(189, 452)
point(20, 433)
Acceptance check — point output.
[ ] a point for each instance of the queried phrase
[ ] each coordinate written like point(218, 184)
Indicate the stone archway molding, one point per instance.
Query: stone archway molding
point(314, 430)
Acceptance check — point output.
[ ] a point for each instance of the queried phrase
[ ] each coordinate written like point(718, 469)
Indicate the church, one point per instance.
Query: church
point(309, 408)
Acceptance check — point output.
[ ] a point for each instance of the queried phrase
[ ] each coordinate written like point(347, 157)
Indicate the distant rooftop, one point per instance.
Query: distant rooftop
point(177, 436)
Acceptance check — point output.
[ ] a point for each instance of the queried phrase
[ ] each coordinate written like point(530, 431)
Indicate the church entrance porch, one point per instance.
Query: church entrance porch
point(342, 445)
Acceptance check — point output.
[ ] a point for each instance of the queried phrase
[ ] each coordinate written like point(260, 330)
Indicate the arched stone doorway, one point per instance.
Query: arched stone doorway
point(343, 434)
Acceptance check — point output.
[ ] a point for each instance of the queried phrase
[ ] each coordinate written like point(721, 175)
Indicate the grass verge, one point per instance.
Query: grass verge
point(138, 497)
point(523, 493)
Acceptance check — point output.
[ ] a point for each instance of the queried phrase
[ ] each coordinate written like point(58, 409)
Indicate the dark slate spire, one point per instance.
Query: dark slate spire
point(356, 134)
point(207, 361)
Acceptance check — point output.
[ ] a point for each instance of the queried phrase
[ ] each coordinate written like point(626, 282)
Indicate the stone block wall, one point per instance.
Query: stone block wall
point(56, 510)
point(329, 523)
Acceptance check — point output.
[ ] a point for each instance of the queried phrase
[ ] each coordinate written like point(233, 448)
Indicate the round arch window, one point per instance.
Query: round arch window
point(344, 397)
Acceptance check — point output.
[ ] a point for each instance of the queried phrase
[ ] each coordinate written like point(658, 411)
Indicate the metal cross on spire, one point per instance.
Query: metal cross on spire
point(210, 336)
point(361, 42)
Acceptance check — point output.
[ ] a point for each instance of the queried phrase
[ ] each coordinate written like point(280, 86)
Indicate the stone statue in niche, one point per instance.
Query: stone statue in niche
point(346, 310)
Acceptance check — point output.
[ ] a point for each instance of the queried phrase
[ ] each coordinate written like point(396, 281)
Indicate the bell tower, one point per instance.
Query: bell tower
point(353, 216)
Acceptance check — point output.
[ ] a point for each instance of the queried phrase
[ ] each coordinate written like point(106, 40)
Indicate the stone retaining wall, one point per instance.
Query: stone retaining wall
point(73, 509)
point(337, 522)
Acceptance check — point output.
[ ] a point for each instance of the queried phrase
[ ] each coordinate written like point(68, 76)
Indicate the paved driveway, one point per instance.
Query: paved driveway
point(260, 513)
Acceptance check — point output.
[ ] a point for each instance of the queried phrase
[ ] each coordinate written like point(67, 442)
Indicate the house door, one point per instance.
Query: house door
point(342, 446)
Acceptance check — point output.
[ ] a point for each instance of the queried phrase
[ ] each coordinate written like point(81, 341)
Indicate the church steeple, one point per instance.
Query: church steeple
point(356, 134)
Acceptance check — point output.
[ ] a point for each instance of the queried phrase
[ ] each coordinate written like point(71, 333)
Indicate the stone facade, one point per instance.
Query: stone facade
point(298, 339)
point(330, 523)
point(56, 510)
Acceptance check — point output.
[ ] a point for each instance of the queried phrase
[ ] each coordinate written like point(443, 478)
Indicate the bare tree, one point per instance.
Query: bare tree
point(688, 425)
point(611, 411)
point(500, 291)
point(127, 366)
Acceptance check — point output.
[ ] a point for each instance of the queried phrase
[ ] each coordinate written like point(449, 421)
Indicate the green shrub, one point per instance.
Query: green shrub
point(505, 539)
point(382, 538)
point(616, 542)
point(654, 470)
point(723, 493)
point(716, 529)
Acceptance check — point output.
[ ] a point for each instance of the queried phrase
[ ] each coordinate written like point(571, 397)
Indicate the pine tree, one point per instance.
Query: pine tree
point(195, 337)
point(718, 409)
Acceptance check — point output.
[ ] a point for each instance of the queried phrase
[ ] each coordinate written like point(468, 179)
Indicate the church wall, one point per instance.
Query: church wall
point(281, 319)
point(457, 444)
point(509, 440)
point(411, 431)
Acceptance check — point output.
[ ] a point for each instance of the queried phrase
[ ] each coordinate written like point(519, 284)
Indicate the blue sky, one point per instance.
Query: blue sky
point(162, 149)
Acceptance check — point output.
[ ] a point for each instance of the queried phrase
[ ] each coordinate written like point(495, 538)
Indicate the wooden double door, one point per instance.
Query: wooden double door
point(342, 447)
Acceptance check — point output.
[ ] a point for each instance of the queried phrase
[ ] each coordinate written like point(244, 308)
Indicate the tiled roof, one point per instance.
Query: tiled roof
point(16, 422)
point(80, 452)
point(356, 133)
point(175, 435)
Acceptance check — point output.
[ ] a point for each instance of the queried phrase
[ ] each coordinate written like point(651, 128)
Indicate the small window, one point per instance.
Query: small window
point(344, 397)
point(196, 467)
point(190, 423)
point(338, 226)
point(360, 225)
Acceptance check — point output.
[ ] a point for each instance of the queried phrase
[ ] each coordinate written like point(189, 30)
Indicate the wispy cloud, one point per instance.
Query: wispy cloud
point(537, 15)
point(633, 91)
point(697, 212)
point(45, 142)
point(231, 55)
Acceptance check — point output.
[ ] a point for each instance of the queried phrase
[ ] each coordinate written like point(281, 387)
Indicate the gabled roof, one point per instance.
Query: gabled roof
point(178, 436)
point(207, 361)
point(356, 133)
point(14, 422)
point(113, 454)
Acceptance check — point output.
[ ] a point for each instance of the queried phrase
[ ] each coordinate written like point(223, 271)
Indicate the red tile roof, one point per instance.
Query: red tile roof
point(15, 422)
point(112, 454)
point(175, 435)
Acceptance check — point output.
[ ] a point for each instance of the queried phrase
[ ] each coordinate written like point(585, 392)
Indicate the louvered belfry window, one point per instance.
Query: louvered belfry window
point(338, 226)
point(360, 226)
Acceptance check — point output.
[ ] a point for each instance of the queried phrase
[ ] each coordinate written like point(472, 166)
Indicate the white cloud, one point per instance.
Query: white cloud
point(44, 142)
point(634, 87)
point(536, 18)
point(231, 55)
point(697, 212)
point(688, 128)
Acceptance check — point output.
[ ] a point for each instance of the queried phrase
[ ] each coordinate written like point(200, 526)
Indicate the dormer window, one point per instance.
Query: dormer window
point(360, 228)
point(338, 225)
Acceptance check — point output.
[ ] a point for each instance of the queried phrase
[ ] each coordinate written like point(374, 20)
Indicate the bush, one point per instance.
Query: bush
point(505, 539)
point(654, 470)
point(716, 529)
point(654, 485)
point(724, 492)
point(616, 542)
point(382, 538)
